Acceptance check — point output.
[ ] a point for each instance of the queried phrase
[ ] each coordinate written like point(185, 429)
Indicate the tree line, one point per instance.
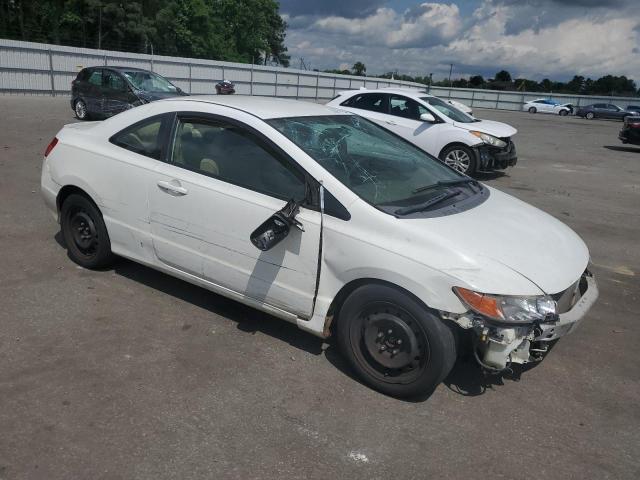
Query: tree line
point(502, 80)
point(248, 31)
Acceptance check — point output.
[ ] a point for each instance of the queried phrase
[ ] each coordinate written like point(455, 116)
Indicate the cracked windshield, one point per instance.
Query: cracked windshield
point(375, 164)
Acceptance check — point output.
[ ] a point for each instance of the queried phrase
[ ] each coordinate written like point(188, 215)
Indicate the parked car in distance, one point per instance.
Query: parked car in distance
point(225, 87)
point(100, 92)
point(546, 105)
point(630, 132)
point(605, 110)
point(461, 141)
point(327, 220)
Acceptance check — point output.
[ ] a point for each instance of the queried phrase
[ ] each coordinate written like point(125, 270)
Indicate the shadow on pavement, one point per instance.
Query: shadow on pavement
point(618, 148)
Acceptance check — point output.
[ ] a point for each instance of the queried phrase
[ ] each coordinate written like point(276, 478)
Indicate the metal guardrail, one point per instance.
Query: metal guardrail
point(37, 68)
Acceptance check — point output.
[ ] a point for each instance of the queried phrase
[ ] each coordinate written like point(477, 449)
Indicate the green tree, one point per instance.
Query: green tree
point(359, 69)
point(503, 76)
point(476, 81)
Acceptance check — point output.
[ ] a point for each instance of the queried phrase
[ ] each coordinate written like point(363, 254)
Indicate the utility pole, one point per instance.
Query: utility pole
point(99, 26)
point(450, 70)
point(430, 81)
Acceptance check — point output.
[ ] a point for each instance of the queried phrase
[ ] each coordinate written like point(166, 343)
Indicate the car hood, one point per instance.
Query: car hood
point(153, 96)
point(502, 246)
point(497, 129)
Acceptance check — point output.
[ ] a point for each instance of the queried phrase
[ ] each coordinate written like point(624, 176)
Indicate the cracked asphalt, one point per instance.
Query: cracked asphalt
point(131, 374)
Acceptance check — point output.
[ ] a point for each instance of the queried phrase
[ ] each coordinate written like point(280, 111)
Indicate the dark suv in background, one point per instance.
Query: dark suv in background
point(100, 92)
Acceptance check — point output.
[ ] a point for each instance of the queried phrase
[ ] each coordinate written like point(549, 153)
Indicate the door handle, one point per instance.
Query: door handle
point(390, 122)
point(173, 187)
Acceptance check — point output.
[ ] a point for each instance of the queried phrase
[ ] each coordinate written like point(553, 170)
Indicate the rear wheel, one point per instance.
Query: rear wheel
point(589, 116)
point(564, 113)
point(85, 233)
point(532, 110)
point(393, 342)
point(80, 110)
point(460, 158)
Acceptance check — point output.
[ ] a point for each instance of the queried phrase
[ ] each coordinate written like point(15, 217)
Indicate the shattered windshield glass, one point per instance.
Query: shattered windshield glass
point(380, 167)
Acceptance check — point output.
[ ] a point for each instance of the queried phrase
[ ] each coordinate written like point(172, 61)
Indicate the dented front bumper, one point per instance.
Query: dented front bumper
point(497, 346)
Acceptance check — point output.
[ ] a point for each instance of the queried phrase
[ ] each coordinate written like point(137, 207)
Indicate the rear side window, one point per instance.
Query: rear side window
point(113, 81)
point(96, 78)
point(374, 102)
point(143, 137)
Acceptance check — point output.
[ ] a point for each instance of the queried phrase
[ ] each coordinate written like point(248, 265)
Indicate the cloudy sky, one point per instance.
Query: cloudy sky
point(532, 38)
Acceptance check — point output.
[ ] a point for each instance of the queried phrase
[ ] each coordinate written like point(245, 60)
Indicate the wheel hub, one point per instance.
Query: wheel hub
point(390, 341)
point(84, 232)
point(458, 160)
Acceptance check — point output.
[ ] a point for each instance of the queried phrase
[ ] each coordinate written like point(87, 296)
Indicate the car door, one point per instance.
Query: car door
point(405, 121)
point(220, 182)
point(92, 92)
point(115, 93)
point(615, 112)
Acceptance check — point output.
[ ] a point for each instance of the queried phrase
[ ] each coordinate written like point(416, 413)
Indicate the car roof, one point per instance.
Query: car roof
point(112, 67)
point(263, 107)
point(409, 92)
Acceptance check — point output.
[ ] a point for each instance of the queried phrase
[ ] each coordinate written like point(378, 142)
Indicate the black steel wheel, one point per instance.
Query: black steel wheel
point(85, 233)
point(394, 343)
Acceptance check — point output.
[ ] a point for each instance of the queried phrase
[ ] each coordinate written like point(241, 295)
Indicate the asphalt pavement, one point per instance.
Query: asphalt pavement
point(128, 373)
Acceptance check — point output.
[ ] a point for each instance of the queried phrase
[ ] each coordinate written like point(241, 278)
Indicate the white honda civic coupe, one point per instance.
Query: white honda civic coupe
point(328, 221)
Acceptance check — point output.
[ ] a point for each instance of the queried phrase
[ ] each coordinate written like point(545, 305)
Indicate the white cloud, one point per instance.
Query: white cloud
point(429, 36)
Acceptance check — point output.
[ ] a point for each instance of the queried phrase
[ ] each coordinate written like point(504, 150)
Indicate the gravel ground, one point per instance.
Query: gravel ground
point(129, 373)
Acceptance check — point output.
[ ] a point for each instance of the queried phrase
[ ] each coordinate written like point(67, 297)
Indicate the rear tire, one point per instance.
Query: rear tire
point(589, 116)
point(85, 233)
point(532, 110)
point(80, 109)
point(393, 342)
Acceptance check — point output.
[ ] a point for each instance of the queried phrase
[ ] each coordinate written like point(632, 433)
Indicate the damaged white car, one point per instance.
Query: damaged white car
point(326, 220)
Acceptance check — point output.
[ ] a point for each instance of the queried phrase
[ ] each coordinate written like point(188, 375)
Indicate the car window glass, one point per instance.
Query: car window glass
point(113, 80)
point(374, 163)
point(149, 82)
point(373, 102)
point(599, 105)
point(230, 153)
point(143, 138)
point(96, 78)
point(406, 108)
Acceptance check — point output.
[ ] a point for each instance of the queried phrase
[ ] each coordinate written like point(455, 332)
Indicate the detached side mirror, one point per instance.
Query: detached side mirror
point(273, 230)
point(427, 117)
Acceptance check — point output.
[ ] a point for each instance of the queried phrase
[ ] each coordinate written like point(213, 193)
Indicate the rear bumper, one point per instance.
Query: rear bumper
point(493, 158)
point(630, 136)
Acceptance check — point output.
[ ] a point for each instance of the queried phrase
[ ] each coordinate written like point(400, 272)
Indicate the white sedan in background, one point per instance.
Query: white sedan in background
point(464, 143)
point(545, 105)
point(328, 221)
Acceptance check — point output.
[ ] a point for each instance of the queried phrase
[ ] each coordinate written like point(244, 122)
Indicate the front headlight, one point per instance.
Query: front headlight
point(489, 139)
point(507, 308)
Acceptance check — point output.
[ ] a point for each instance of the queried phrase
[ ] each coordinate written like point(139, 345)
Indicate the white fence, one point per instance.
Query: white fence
point(514, 100)
point(36, 68)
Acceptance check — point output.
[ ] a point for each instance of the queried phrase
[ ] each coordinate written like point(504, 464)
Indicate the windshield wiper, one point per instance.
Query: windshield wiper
point(445, 183)
point(429, 203)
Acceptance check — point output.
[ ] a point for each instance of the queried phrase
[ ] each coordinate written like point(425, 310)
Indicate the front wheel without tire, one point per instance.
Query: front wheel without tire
point(460, 158)
point(85, 233)
point(393, 342)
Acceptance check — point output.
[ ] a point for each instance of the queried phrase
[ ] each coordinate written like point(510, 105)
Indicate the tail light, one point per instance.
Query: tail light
point(52, 144)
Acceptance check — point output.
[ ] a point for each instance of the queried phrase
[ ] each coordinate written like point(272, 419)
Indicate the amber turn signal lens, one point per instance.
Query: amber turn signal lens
point(484, 304)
